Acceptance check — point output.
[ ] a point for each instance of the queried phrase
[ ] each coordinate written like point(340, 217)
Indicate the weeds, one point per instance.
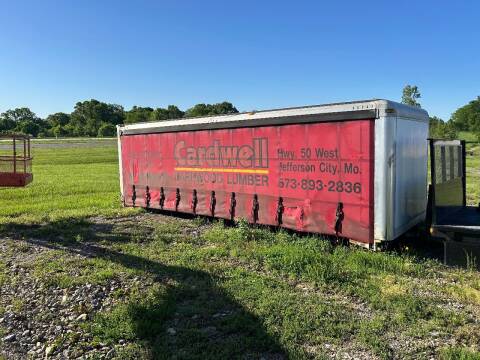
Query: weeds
point(459, 353)
point(142, 315)
point(3, 274)
point(69, 183)
point(230, 292)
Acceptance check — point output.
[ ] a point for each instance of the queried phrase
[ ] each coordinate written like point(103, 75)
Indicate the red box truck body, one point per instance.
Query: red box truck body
point(312, 172)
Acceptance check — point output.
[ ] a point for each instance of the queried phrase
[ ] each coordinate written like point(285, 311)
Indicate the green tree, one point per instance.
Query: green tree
point(68, 130)
point(211, 109)
point(59, 131)
point(174, 112)
point(106, 129)
point(198, 110)
point(89, 115)
point(171, 112)
point(58, 119)
point(29, 127)
point(467, 118)
point(19, 114)
point(159, 114)
point(410, 95)
point(224, 108)
point(22, 120)
point(440, 129)
point(138, 114)
point(6, 124)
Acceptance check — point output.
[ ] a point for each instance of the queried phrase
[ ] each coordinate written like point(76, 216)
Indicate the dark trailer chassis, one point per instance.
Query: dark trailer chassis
point(448, 216)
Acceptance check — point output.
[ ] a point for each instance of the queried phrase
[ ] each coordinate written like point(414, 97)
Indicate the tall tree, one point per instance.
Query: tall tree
point(19, 114)
point(198, 110)
point(29, 127)
point(138, 114)
point(58, 119)
point(22, 120)
point(89, 115)
point(58, 124)
point(6, 123)
point(171, 112)
point(224, 108)
point(440, 129)
point(467, 117)
point(211, 109)
point(106, 130)
point(96, 118)
point(410, 95)
point(174, 112)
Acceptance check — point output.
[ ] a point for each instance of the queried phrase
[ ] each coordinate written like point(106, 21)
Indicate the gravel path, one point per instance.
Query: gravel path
point(40, 320)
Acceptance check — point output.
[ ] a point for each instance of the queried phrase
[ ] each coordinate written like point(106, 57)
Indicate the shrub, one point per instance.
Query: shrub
point(106, 130)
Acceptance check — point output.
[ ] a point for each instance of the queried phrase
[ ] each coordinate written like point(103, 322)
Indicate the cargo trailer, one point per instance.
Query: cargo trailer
point(357, 170)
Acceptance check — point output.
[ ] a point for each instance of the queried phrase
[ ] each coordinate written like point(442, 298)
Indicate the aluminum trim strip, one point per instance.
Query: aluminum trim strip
point(284, 120)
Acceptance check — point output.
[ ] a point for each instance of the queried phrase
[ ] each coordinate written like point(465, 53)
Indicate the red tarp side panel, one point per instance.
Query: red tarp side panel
point(312, 167)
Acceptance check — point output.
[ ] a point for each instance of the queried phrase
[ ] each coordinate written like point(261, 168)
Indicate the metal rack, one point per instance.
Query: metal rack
point(15, 161)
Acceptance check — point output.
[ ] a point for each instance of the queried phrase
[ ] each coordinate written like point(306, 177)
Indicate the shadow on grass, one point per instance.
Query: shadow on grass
point(464, 253)
point(186, 314)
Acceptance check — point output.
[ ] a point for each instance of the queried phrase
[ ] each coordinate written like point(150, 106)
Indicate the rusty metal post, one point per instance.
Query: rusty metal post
point(14, 155)
point(24, 156)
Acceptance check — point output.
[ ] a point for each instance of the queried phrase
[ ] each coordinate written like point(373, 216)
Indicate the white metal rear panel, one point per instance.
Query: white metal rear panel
point(411, 157)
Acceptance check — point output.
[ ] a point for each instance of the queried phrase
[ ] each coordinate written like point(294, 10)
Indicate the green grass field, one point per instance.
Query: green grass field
point(473, 174)
point(69, 181)
point(198, 290)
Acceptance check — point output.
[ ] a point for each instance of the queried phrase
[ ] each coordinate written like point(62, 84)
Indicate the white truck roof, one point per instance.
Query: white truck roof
point(355, 110)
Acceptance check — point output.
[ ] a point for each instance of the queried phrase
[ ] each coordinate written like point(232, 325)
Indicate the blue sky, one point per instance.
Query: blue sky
point(256, 54)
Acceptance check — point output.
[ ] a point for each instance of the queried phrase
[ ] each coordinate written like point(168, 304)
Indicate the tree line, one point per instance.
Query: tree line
point(95, 118)
point(465, 118)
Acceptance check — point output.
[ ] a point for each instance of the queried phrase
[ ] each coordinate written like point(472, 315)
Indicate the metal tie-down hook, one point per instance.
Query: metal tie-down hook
point(194, 202)
point(280, 209)
point(255, 208)
point(134, 195)
point(339, 216)
point(148, 197)
point(162, 198)
point(177, 198)
point(233, 204)
point(213, 202)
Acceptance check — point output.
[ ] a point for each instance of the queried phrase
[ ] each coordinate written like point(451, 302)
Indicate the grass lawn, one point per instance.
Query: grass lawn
point(198, 290)
point(473, 174)
point(69, 181)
